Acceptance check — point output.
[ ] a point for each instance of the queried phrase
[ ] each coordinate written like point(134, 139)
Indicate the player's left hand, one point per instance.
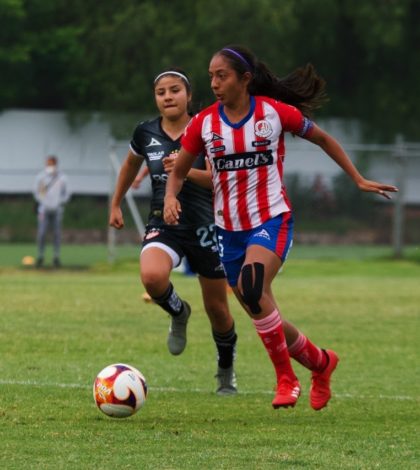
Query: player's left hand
point(378, 188)
point(168, 164)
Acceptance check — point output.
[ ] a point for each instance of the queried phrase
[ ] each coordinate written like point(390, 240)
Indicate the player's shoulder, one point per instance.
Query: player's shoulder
point(148, 133)
point(149, 125)
point(210, 109)
point(201, 115)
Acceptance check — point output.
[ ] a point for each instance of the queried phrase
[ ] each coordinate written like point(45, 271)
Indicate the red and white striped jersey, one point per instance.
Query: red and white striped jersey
point(246, 159)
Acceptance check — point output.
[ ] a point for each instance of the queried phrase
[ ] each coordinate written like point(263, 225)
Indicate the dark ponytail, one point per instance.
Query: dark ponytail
point(302, 88)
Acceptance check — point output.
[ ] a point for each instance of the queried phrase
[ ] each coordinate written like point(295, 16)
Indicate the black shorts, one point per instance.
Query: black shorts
point(198, 245)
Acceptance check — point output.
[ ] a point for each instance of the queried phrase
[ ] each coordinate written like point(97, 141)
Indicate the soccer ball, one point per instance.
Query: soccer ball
point(119, 390)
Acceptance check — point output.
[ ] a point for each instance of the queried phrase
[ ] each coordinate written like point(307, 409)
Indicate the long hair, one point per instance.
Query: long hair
point(302, 88)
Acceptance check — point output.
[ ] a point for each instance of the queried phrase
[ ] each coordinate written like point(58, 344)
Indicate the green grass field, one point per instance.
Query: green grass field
point(58, 329)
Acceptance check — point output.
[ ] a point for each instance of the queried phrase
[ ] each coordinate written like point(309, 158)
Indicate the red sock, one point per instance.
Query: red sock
point(270, 330)
point(306, 353)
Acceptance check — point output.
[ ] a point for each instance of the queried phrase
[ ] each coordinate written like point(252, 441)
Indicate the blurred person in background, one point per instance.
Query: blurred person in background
point(51, 193)
point(157, 142)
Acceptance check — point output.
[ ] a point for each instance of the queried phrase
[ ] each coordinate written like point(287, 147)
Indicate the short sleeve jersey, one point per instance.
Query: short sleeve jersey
point(151, 142)
point(246, 159)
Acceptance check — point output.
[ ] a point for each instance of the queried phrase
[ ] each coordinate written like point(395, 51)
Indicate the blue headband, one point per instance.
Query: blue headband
point(248, 65)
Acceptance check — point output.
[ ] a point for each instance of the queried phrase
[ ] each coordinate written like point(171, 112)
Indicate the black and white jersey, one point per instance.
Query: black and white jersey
point(151, 142)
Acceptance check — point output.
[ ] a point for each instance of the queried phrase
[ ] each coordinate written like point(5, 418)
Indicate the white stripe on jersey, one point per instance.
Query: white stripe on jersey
point(275, 183)
point(251, 200)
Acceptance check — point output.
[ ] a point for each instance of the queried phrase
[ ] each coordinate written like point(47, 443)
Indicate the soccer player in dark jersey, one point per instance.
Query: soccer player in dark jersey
point(157, 142)
point(243, 137)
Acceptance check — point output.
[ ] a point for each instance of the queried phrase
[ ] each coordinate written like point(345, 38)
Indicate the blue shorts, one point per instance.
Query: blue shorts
point(276, 235)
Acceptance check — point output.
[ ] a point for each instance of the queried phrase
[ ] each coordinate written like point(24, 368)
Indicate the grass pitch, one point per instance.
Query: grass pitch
point(58, 329)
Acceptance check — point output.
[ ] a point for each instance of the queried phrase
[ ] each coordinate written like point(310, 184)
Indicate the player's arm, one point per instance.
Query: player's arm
point(334, 150)
point(144, 171)
point(172, 207)
point(201, 177)
point(127, 174)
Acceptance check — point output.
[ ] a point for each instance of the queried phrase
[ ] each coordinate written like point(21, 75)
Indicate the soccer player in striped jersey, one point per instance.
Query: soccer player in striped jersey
point(157, 142)
point(242, 134)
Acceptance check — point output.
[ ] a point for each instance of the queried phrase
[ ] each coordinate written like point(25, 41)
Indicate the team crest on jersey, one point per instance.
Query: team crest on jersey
point(263, 129)
point(153, 142)
point(215, 136)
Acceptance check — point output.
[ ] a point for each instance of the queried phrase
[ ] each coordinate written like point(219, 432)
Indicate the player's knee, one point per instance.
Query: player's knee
point(153, 279)
point(252, 281)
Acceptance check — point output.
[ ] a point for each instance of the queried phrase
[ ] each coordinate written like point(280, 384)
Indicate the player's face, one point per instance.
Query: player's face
point(172, 97)
point(227, 86)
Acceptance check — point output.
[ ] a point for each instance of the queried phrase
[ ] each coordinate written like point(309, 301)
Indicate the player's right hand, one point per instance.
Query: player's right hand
point(136, 183)
point(171, 210)
point(116, 218)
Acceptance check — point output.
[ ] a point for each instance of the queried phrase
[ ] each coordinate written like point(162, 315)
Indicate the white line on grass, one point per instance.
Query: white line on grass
point(35, 383)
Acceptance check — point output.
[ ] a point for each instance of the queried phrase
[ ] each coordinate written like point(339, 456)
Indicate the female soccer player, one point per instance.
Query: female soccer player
point(242, 135)
point(158, 141)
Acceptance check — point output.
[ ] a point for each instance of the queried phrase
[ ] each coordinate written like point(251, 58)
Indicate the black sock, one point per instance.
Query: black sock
point(170, 302)
point(225, 344)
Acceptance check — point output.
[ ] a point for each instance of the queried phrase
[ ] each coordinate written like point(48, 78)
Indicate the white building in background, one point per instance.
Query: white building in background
point(28, 136)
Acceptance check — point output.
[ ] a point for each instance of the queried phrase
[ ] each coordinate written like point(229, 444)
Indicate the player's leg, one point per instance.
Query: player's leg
point(254, 291)
point(156, 263)
point(277, 237)
point(303, 350)
point(320, 362)
point(299, 346)
point(223, 332)
point(202, 255)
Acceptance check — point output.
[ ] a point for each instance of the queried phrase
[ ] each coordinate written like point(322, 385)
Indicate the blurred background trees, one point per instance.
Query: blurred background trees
point(81, 55)
point(84, 56)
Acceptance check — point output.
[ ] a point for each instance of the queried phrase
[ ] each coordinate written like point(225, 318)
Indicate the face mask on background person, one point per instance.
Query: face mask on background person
point(51, 169)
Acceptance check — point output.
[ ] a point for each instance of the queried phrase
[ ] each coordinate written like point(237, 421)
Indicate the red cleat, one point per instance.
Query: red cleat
point(287, 393)
point(320, 392)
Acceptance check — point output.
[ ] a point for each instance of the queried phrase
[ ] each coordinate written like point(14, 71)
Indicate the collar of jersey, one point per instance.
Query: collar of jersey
point(165, 134)
point(239, 124)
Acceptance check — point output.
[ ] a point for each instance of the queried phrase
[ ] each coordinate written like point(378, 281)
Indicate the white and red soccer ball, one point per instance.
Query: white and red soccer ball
point(120, 390)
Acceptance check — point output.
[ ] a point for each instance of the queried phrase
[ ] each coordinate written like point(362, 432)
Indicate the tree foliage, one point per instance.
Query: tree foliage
point(85, 55)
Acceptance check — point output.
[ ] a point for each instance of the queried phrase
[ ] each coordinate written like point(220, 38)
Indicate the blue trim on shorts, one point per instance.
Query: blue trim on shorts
point(233, 245)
